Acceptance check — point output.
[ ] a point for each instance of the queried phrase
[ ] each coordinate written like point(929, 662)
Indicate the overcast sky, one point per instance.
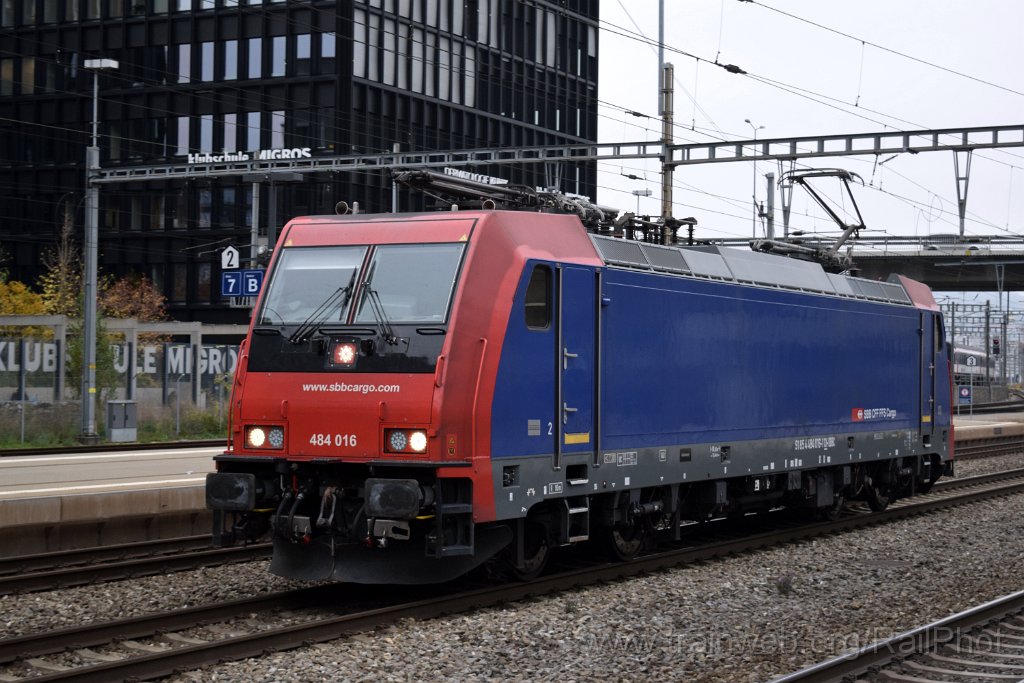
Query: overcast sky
point(871, 89)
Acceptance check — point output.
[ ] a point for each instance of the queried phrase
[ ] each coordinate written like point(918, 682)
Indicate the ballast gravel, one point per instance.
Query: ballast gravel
point(748, 618)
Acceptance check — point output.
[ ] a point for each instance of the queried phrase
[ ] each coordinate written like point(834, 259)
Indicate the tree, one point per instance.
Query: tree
point(133, 297)
point(62, 284)
point(107, 378)
point(17, 299)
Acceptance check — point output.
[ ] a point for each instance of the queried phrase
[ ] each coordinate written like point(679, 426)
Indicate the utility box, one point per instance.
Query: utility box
point(122, 421)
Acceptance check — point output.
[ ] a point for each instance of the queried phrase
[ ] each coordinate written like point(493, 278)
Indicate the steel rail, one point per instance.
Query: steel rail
point(238, 647)
point(918, 640)
point(21, 564)
point(65, 577)
point(989, 446)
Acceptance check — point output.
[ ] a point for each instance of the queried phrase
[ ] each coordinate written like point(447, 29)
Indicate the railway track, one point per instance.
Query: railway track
point(159, 644)
point(986, 448)
point(83, 566)
point(49, 571)
point(984, 643)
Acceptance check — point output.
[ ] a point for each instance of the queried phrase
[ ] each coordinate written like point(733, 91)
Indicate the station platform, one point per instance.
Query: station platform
point(980, 427)
point(59, 502)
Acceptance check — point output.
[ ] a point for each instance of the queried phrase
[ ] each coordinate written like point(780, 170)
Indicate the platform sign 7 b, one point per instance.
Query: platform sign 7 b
point(241, 283)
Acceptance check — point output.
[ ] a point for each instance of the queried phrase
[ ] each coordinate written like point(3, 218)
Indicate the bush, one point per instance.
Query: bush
point(49, 425)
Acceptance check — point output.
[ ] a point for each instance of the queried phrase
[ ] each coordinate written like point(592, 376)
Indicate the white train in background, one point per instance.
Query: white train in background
point(969, 365)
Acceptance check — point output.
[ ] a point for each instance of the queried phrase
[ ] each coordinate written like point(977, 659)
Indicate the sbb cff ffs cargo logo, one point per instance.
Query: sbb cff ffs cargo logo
point(861, 414)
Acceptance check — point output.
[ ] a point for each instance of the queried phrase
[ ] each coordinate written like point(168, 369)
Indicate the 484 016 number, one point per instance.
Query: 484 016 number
point(321, 439)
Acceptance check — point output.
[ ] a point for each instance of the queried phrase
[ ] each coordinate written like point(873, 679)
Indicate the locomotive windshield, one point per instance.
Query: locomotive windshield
point(414, 282)
point(305, 278)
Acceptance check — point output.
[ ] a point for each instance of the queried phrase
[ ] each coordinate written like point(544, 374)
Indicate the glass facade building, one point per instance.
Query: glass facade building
point(222, 77)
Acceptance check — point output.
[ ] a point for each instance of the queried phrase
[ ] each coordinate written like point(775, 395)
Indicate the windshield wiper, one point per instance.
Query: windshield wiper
point(386, 331)
point(311, 324)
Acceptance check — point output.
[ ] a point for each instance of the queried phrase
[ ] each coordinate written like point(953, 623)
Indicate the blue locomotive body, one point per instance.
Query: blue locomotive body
point(690, 382)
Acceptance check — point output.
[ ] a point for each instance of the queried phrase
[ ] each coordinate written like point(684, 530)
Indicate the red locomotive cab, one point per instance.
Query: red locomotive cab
point(350, 429)
point(343, 352)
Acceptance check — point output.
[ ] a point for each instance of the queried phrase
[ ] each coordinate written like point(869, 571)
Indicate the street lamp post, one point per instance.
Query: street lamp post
point(755, 129)
point(91, 247)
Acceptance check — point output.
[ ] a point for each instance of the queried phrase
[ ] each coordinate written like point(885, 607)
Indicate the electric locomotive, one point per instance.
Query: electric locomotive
point(421, 393)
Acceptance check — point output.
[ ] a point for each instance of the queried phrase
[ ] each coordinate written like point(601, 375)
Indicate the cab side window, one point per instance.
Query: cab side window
point(538, 299)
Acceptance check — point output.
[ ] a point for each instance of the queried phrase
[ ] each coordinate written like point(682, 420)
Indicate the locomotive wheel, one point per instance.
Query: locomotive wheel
point(833, 511)
point(880, 496)
point(623, 543)
point(536, 552)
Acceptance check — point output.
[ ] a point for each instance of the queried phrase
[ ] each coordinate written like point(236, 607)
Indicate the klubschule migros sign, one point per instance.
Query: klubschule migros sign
point(258, 155)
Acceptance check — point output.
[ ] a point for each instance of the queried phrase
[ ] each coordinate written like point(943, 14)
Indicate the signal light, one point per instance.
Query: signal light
point(995, 346)
point(405, 441)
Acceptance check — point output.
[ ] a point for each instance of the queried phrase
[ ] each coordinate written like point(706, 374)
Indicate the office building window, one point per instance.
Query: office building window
point(255, 58)
point(180, 216)
point(6, 77)
point(328, 49)
point(183, 5)
point(28, 75)
point(182, 148)
point(230, 60)
point(417, 60)
point(303, 54)
point(205, 206)
point(230, 132)
point(227, 206)
point(203, 276)
point(389, 51)
point(184, 63)
point(276, 129)
point(92, 9)
point(156, 213)
point(359, 44)
point(7, 13)
point(373, 49)
point(206, 133)
point(179, 282)
point(137, 213)
point(252, 133)
point(401, 56)
point(444, 69)
point(206, 65)
point(277, 55)
point(28, 12)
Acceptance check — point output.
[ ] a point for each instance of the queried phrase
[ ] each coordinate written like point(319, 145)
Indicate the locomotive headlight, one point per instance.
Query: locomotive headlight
point(255, 437)
point(418, 441)
point(258, 436)
point(343, 354)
